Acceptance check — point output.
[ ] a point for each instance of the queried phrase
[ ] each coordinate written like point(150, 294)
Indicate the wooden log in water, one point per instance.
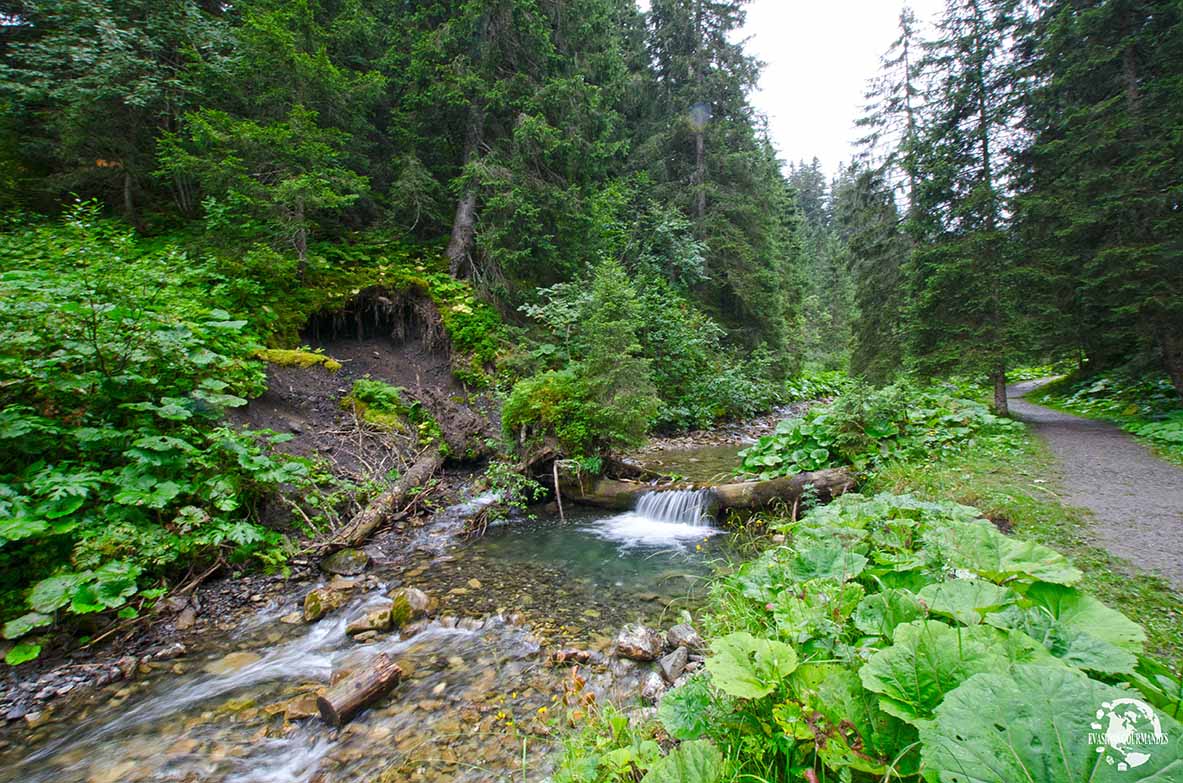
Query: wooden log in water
point(741, 495)
point(358, 690)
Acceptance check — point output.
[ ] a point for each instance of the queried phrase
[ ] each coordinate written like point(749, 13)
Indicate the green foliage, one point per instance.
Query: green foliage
point(1049, 715)
point(818, 385)
point(698, 379)
point(748, 668)
point(382, 405)
point(866, 427)
point(604, 399)
point(116, 466)
point(863, 645)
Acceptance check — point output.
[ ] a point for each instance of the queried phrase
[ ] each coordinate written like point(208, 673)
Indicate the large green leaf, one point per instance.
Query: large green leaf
point(690, 762)
point(880, 613)
point(965, 600)
point(1044, 725)
point(1074, 609)
point(1076, 628)
point(57, 591)
point(845, 721)
point(744, 666)
point(828, 561)
point(930, 658)
point(979, 547)
point(815, 609)
point(14, 629)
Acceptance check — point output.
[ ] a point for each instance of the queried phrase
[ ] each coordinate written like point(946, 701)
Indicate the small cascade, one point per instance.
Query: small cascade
point(681, 506)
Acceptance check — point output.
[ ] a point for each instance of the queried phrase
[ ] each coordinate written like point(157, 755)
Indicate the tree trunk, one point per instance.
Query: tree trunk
point(700, 175)
point(741, 495)
point(464, 223)
point(1171, 345)
point(360, 689)
point(300, 241)
point(386, 505)
point(1001, 407)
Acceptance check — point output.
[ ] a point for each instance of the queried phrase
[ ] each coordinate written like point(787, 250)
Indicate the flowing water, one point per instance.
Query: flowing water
point(480, 697)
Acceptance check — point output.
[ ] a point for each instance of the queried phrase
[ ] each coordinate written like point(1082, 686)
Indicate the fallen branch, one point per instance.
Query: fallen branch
point(388, 504)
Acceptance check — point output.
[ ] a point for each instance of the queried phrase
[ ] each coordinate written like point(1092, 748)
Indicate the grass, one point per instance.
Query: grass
point(1008, 485)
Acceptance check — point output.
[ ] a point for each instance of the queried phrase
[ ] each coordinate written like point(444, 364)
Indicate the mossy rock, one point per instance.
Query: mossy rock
point(346, 562)
point(283, 357)
point(321, 601)
point(409, 604)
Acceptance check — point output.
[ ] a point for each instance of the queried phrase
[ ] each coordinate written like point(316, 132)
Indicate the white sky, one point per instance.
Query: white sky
point(818, 56)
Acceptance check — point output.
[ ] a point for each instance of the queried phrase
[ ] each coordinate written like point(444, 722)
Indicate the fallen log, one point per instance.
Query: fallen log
point(358, 690)
point(756, 495)
point(386, 505)
point(622, 495)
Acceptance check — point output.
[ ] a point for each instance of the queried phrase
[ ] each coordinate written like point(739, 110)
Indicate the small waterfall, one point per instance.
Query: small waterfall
point(683, 506)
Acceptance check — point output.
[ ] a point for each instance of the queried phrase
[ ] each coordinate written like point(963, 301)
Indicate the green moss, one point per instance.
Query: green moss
point(383, 406)
point(297, 358)
point(340, 271)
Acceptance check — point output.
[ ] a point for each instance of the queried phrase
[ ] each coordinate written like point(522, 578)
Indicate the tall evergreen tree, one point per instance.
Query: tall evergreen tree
point(1100, 211)
point(961, 294)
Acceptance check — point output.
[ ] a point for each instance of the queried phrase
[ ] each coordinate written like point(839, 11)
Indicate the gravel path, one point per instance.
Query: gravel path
point(1135, 497)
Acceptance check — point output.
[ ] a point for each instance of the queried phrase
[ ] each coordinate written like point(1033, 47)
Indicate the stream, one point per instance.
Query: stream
point(480, 698)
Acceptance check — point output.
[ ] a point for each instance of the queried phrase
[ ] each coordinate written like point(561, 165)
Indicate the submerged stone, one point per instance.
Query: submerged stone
point(347, 562)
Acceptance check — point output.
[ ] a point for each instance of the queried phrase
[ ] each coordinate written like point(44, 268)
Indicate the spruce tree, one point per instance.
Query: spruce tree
point(961, 294)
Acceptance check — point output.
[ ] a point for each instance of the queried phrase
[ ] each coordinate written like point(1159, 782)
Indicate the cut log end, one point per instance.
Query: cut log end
point(358, 690)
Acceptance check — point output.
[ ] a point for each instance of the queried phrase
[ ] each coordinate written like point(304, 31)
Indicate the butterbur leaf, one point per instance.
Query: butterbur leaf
point(927, 660)
point(979, 547)
point(85, 600)
point(14, 629)
point(1051, 725)
point(746, 667)
point(828, 562)
point(55, 592)
point(849, 728)
point(21, 653)
point(690, 762)
point(965, 600)
point(880, 613)
point(1073, 609)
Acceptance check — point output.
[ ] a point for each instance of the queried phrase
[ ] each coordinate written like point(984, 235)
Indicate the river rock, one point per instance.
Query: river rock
point(674, 664)
point(373, 620)
point(320, 601)
point(407, 604)
point(638, 642)
point(683, 635)
point(346, 562)
point(652, 686)
point(232, 662)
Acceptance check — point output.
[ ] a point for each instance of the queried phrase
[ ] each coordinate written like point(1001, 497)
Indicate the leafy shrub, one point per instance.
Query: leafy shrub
point(114, 465)
point(603, 399)
point(382, 405)
point(820, 385)
point(868, 426)
point(892, 635)
point(698, 380)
